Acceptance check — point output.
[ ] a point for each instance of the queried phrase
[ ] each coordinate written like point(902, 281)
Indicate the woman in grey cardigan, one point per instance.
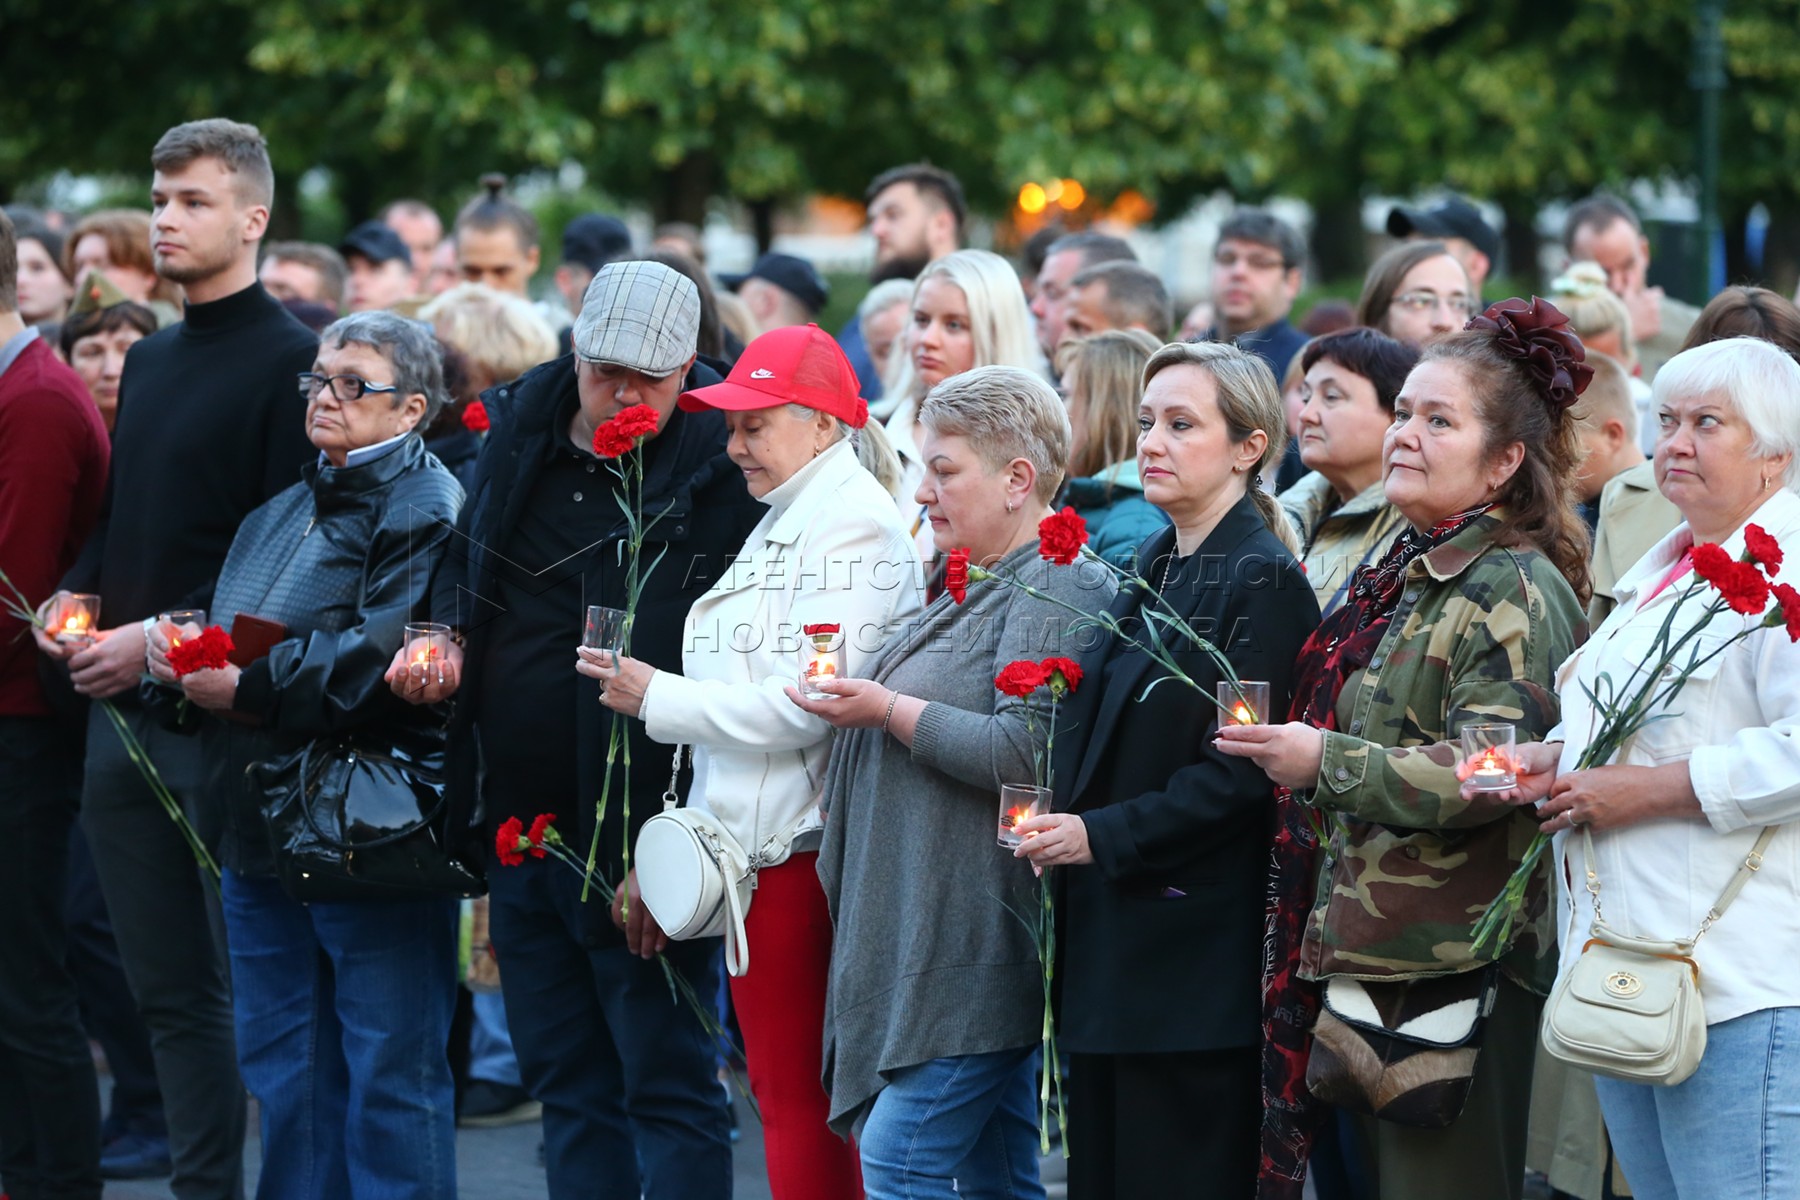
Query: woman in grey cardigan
point(934, 1007)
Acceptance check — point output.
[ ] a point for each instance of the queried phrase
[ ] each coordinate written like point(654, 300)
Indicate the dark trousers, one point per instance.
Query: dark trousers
point(625, 1071)
point(170, 933)
point(49, 1101)
point(1171, 1126)
point(108, 1012)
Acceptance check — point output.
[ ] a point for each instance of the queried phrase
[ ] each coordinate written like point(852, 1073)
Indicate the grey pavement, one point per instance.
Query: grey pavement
point(495, 1164)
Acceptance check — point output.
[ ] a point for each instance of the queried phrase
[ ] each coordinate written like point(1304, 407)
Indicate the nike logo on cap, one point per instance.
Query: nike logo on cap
point(762, 373)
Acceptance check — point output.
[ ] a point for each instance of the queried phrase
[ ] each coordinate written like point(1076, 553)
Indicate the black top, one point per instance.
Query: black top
point(1162, 939)
point(523, 489)
point(344, 559)
point(528, 648)
point(210, 426)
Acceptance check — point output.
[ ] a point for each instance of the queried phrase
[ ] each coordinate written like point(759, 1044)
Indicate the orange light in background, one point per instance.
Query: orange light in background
point(1032, 198)
point(1131, 208)
point(1070, 194)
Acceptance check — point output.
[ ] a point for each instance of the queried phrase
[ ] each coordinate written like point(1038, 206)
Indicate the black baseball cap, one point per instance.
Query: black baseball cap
point(594, 239)
point(793, 275)
point(375, 242)
point(1453, 217)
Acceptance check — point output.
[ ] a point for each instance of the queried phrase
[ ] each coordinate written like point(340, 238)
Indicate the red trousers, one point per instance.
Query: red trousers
point(780, 1005)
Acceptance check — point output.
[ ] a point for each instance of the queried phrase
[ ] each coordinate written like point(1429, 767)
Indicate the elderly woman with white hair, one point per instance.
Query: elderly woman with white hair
point(829, 551)
point(340, 562)
point(1680, 810)
point(935, 1004)
point(968, 311)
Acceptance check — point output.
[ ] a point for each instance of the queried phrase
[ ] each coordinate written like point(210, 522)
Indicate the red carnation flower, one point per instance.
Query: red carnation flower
point(621, 434)
point(956, 574)
point(1064, 674)
point(1021, 678)
point(1711, 563)
point(540, 831)
point(1061, 536)
point(475, 418)
point(1787, 612)
point(1760, 547)
point(210, 651)
point(506, 842)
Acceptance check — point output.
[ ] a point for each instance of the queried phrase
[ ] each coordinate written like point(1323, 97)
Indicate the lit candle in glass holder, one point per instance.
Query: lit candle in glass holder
point(821, 659)
point(1020, 802)
point(427, 645)
point(1243, 703)
point(76, 619)
point(1490, 749)
point(604, 629)
point(178, 619)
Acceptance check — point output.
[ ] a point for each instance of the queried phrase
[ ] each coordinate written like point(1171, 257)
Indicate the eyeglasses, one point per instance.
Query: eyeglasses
point(347, 388)
point(1460, 305)
point(1256, 262)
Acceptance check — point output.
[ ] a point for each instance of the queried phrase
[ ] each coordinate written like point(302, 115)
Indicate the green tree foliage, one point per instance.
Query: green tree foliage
point(669, 102)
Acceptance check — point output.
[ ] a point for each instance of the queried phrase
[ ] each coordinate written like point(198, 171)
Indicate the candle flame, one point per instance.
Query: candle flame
point(73, 623)
point(1243, 716)
point(1490, 761)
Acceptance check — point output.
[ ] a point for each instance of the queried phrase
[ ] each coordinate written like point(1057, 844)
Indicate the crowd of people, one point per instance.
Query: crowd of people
point(393, 476)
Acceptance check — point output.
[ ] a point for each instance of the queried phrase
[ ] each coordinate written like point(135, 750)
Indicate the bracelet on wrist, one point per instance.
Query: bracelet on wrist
point(893, 699)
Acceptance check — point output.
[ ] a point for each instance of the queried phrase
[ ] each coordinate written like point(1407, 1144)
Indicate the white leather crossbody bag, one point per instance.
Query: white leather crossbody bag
point(694, 876)
point(1630, 1007)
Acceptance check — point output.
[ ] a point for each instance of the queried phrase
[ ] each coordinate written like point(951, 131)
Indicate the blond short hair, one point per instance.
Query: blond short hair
point(1249, 402)
point(1592, 308)
point(503, 335)
point(1005, 413)
point(1607, 398)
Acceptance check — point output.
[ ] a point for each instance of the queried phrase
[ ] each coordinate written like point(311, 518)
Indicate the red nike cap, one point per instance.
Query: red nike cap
point(799, 364)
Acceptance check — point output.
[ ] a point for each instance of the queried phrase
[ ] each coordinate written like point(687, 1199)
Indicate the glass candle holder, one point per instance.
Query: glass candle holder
point(821, 659)
point(1020, 802)
point(427, 645)
point(604, 629)
point(1243, 703)
point(1490, 748)
point(75, 619)
point(178, 619)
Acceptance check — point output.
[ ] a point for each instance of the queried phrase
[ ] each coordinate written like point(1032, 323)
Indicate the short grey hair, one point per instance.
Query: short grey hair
point(409, 345)
point(1005, 413)
point(1757, 378)
point(881, 297)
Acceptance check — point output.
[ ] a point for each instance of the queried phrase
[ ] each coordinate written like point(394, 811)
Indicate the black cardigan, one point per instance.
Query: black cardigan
point(1162, 934)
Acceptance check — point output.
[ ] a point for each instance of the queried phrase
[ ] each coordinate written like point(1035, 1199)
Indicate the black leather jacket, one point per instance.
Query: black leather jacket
point(344, 559)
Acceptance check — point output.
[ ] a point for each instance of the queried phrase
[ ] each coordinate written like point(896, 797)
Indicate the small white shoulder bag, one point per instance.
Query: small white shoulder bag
point(694, 876)
point(1630, 1007)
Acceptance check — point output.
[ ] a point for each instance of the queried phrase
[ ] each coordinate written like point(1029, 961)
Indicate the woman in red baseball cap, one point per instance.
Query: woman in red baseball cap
point(826, 576)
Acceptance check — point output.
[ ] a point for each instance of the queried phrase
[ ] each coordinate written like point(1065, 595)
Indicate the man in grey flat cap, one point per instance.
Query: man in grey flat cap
point(626, 1074)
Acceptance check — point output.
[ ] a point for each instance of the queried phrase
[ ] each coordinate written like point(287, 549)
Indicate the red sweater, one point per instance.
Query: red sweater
point(53, 456)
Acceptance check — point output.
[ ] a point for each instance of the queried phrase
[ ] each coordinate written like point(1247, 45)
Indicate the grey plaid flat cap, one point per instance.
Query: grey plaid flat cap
point(640, 315)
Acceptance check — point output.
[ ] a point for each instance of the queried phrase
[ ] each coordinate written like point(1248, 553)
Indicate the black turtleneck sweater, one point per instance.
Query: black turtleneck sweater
point(211, 424)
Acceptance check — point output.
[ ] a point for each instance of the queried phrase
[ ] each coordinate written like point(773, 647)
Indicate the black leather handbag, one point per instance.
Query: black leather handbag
point(356, 817)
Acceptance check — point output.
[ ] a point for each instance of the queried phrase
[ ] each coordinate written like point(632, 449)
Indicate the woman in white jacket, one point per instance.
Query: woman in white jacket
point(1679, 811)
point(830, 551)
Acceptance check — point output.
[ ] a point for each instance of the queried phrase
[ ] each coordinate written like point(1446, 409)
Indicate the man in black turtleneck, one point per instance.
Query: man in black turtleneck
point(210, 425)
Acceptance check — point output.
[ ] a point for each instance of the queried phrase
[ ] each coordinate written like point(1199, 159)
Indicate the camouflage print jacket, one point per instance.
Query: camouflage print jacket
point(1337, 538)
point(1477, 637)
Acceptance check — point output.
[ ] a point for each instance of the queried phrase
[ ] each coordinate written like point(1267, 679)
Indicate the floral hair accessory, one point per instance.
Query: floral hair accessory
point(1538, 336)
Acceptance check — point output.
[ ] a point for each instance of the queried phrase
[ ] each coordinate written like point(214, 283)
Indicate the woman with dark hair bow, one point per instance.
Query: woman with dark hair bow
point(1463, 620)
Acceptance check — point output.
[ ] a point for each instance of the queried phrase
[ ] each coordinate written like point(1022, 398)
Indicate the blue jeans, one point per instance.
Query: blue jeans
point(623, 1068)
point(490, 1045)
point(343, 1021)
point(961, 1128)
point(1731, 1129)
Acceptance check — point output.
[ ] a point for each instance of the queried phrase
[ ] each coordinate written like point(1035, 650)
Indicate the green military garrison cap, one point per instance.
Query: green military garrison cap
point(95, 292)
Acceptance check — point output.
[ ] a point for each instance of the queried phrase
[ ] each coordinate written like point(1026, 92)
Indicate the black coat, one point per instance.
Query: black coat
point(1162, 934)
point(708, 515)
point(344, 559)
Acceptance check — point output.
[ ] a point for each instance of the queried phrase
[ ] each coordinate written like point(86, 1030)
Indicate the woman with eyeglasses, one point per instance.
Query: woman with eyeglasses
point(342, 560)
point(1417, 292)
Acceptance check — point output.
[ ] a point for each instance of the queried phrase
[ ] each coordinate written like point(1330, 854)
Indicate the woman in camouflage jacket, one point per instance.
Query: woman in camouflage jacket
point(1463, 620)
